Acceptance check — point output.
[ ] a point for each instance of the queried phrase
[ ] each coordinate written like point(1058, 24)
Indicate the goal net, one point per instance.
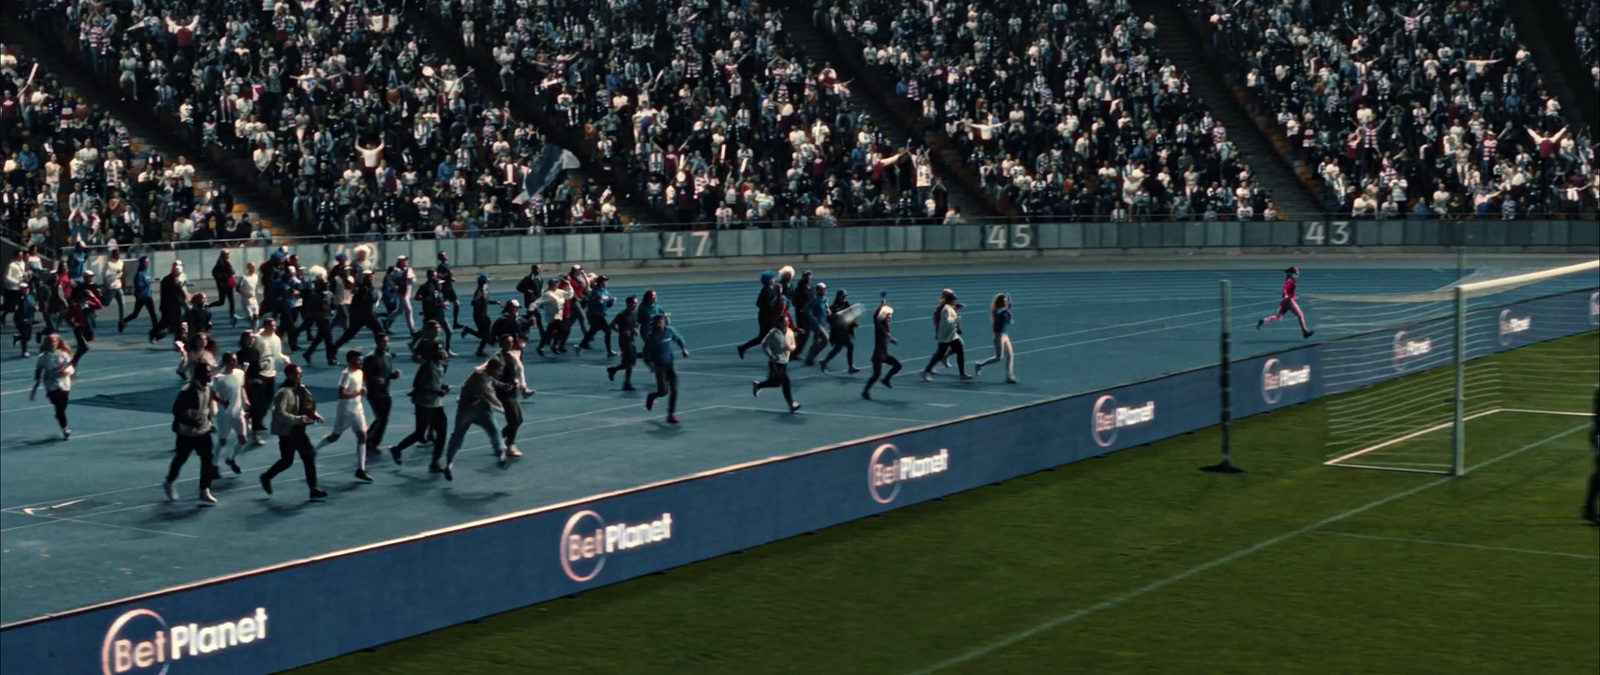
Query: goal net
point(1414, 369)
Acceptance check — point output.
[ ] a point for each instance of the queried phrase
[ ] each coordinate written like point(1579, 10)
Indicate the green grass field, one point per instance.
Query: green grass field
point(1131, 563)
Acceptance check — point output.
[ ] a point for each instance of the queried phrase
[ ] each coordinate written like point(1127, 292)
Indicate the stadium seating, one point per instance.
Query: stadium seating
point(1431, 109)
point(716, 113)
point(344, 111)
point(73, 173)
point(1072, 113)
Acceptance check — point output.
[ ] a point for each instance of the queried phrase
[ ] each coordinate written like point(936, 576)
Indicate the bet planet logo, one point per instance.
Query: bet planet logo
point(588, 540)
point(1109, 419)
point(889, 469)
point(1511, 325)
point(1275, 377)
point(141, 641)
point(1408, 347)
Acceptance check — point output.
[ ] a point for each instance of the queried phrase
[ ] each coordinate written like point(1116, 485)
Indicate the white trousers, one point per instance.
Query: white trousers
point(1002, 349)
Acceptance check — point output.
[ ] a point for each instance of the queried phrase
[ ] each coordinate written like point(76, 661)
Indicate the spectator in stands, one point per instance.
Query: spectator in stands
point(1399, 103)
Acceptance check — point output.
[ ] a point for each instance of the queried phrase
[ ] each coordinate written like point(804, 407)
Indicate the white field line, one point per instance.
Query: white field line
point(1453, 544)
point(1218, 562)
point(1406, 437)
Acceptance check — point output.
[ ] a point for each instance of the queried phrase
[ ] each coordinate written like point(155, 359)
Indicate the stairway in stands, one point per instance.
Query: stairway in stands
point(1544, 30)
point(525, 106)
point(146, 133)
point(873, 95)
point(1267, 156)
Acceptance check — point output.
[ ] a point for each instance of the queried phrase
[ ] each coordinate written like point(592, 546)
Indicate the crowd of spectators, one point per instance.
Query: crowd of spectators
point(713, 108)
point(1420, 109)
point(71, 173)
point(1064, 109)
point(343, 109)
point(1585, 18)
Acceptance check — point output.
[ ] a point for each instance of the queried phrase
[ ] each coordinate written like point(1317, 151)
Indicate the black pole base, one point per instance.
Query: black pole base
point(1224, 467)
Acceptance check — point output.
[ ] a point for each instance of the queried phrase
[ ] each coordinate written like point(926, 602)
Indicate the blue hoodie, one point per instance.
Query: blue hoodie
point(658, 345)
point(76, 260)
point(598, 301)
point(141, 284)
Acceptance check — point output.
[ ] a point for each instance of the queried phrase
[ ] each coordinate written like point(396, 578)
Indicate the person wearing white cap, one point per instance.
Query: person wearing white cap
point(880, 346)
point(947, 332)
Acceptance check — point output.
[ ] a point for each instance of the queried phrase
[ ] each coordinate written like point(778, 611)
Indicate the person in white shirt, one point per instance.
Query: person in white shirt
point(249, 292)
point(54, 370)
point(227, 390)
point(109, 270)
point(779, 345)
point(16, 273)
point(550, 307)
point(947, 332)
point(405, 284)
point(350, 415)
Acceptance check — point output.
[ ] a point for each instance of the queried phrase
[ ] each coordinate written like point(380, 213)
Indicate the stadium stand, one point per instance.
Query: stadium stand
point(1430, 110)
point(73, 173)
point(345, 112)
point(1073, 114)
point(712, 109)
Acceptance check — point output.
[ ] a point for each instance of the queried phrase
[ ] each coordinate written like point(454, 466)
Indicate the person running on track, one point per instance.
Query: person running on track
point(1288, 305)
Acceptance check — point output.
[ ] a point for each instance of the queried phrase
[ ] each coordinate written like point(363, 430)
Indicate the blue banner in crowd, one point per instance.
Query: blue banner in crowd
point(304, 612)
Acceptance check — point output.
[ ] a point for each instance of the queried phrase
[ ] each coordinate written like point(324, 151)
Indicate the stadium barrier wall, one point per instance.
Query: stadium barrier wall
point(298, 613)
point(711, 246)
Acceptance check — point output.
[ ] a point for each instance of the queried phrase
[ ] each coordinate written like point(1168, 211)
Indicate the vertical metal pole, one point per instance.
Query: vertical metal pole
point(1458, 466)
point(1226, 465)
point(1227, 374)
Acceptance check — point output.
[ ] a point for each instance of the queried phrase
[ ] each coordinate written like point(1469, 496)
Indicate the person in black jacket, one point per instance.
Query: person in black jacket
point(431, 296)
point(510, 322)
point(362, 311)
point(223, 274)
point(427, 399)
point(191, 421)
point(198, 316)
point(482, 324)
point(531, 287)
point(314, 313)
point(626, 326)
point(447, 288)
point(1590, 512)
point(881, 321)
point(800, 301)
point(766, 309)
point(257, 388)
point(174, 298)
point(378, 369)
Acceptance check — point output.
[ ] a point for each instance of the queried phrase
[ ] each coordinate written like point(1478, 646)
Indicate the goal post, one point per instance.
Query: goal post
point(1413, 376)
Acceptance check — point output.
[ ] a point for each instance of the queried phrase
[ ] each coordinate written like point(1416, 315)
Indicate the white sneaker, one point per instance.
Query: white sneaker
point(512, 451)
point(1011, 380)
point(927, 376)
point(172, 491)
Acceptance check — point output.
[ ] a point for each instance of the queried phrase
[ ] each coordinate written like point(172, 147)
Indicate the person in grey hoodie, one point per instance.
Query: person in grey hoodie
point(191, 421)
point(476, 406)
point(779, 346)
